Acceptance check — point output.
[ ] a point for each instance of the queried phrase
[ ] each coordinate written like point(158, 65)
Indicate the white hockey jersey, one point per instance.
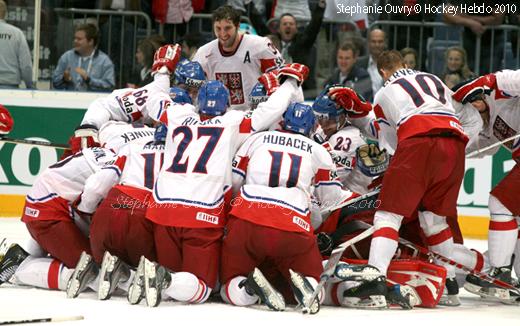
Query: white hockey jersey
point(239, 70)
point(135, 170)
point(275, 172)
point(130, 105)
point(413, 103)
point(66, 178)
point(504, 114)
point(195, 179)
point(343, 145)
point(115, 134)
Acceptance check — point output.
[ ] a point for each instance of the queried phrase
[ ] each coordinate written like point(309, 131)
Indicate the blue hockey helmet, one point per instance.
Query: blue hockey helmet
point(258, 95)
point(190, 73)
point(299, 118)
point(213, 99)
point(325, 108)
point(160, 133)
point(179, 95)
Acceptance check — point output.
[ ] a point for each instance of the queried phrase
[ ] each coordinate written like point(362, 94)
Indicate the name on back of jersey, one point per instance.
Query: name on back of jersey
point(288, 141)
point(190, 121)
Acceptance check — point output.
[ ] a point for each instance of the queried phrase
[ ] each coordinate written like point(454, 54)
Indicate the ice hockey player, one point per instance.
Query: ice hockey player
point(237, 60)
point(190, 217)
point(427, 167)
point(190, 77)
point(270, 219)
point(496, 97)
point(119, 234)
point(55, 229)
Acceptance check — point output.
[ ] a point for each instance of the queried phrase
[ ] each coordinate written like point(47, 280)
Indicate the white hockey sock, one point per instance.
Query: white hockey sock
point(384, 239)
point(46, 273)
point(186, 287)
point(503, 233)
point(237, 295)
point(469, 257)
point(439, 238)
point(516, 263)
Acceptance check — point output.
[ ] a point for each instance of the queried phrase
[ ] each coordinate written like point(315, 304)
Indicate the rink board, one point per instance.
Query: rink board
point(52, 116)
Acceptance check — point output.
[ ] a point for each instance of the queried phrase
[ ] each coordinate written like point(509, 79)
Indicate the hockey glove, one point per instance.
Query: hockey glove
point(165, 59)
point(473, 89)
point(270, 81)
point(6, 121)
point(371, 160)
point(353, 103)
point(293, 70)
point(85, 136)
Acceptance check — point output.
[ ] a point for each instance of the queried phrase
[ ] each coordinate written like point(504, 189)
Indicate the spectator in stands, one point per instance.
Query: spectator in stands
point(175, 16)
point(299, 9)
point(190, 44)
point(410, 58)
point(299, 46)
point(84, 68)
point(349, 74)
point(144, 57)
point(475, 26)
point(15, 57)
point(455, 63)
point(376, 44)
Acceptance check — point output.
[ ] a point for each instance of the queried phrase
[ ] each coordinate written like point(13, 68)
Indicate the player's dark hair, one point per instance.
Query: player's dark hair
point(390, 60)
point(91, 32)
point(226, 12)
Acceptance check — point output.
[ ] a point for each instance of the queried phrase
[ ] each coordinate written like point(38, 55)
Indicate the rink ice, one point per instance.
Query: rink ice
point(25, 303)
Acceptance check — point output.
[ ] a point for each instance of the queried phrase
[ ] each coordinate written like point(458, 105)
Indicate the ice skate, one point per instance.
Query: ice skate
point(303, 290)
point(156, 279)
point(85, 272)
point(256, 283)
point(10, 262)
point(113, 271)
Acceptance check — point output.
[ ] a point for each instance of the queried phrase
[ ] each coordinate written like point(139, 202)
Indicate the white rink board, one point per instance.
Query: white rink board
point(24, 303)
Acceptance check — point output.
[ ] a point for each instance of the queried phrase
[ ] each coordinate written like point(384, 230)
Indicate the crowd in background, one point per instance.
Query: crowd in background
point(112, 51)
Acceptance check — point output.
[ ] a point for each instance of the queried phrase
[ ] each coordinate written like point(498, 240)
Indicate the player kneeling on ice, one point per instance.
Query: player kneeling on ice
point(495, 96)
point(273, 173)
point(189, 216)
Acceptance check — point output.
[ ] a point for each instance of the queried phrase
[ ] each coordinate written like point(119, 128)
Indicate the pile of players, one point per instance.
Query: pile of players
point(142, 212)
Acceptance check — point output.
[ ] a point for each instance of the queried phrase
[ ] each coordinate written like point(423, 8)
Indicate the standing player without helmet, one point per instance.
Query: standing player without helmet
point(237, 60)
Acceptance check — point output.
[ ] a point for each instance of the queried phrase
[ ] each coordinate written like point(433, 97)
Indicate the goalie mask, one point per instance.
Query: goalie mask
point(330, 116)
point(370, 160)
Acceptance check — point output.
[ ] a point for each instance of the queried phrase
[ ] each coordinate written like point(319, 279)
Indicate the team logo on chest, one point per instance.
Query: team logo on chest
point(233, 82)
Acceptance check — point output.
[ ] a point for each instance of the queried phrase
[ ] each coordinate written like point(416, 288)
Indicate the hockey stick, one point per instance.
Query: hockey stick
point(33, 142)
point(482, 276)
point(41, 320)
point(333, 261)
point(352, 201)
point(498, 143)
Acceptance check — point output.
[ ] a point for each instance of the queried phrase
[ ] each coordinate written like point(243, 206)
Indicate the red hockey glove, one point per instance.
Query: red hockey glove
point(165, 58)
point(6, 121)
point(270, 81)
point(350, 101)
point(293, 70)
point(85, 136)
point(471, 90)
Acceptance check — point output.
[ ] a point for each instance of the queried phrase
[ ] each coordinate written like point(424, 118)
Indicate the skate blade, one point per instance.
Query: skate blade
point(135, 291)
point(348, 274)
point(107, 267)
point(449, 300)
point(492, 294)
point(372, 302)
point(73, 286)
point(273, 299)
point(412, 295)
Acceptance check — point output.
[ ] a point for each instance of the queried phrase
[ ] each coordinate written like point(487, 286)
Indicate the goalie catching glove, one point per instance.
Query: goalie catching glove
point(473, 89)
point(350, 101)
point(165, 59)
point(370, 160)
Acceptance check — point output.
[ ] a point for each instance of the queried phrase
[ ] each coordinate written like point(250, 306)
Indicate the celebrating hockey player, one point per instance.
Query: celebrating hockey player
point(237, 60)
point(418, 121)
point(189, 217)
point(495, 96)
point(273, 175)
point(190, 77)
